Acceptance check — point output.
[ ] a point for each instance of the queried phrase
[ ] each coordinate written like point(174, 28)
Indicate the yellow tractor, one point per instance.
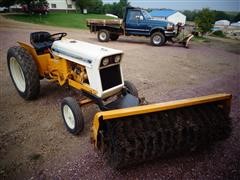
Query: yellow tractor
point(126, 131)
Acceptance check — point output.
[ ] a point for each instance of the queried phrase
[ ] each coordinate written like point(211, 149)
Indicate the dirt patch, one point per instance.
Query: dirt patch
point(35, 144)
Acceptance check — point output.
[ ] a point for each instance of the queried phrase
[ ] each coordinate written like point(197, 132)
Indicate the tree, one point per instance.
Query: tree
point(33, 6)
point(190, 15)
point(236, 18)
point(122, 5)
point(84, 4)
point(116, 8)
point(204, 20)
point(7, 3)
point(220, 15)
point(96, 7)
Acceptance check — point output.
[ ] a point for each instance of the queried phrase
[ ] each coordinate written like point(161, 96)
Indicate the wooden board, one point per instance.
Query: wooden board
point(104, 22)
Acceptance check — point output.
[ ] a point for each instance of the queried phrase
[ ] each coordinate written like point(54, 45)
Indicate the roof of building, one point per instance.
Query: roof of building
point(162, 12)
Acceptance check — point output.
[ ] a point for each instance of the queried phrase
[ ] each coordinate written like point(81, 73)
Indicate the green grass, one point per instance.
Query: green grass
point(71, 20)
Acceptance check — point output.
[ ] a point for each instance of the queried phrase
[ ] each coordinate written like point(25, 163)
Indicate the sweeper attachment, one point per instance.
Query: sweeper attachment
point(126, 131)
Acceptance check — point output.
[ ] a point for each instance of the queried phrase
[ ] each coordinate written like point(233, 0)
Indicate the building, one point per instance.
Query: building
point(54, 5)
point(62, 4)
point(222, 23)
point(169, 15)
point(236, 25)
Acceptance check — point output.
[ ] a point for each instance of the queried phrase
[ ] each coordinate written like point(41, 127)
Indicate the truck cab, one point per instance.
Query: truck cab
point(138, 21)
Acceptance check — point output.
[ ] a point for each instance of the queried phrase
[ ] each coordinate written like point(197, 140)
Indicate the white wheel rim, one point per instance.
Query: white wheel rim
point(157, 39)
point(17, 74)
point(68, 116)
point(103, 36)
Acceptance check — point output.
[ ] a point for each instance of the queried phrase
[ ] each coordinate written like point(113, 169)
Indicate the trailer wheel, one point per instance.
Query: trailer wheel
point(157, 39)
point(114, 37)
point(23, 72)
point(72, 115)
point(103, 35)
point(131, 88)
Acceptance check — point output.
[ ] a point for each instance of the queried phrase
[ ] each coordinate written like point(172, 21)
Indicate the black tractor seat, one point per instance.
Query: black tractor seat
point(41, 41)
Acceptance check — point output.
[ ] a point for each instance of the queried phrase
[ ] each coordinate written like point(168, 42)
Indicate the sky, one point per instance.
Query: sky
point(223, 5)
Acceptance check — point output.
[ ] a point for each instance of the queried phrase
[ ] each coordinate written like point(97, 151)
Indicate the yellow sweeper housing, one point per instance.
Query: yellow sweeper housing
point(126, 131)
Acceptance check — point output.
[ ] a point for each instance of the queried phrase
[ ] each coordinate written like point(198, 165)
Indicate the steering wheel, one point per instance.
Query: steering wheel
point(57, 36)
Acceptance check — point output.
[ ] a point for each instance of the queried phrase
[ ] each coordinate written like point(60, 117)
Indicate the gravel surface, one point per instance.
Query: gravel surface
point(35, 145)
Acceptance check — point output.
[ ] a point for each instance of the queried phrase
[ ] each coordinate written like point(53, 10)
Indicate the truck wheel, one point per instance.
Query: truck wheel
point(23, 72)
point(72, 115)
point(114, 37)
point(131, 88)
point(157, 39)
point(103, 35)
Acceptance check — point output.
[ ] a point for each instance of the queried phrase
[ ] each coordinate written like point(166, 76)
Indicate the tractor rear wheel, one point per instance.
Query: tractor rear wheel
point(157, 39)
point(103, 35)
point(72, 115)
point(114, 37)
point(23, 72)
point(131, 88)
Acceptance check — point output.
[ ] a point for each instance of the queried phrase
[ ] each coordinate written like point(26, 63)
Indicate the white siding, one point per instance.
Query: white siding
point(222, 23)
point(177, 18)
point(61, 4)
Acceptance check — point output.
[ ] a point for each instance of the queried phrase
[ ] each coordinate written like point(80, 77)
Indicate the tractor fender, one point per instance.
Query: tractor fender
point(40, 60)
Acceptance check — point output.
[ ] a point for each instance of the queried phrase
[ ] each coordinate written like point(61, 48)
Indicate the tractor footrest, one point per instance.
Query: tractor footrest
point(124, 102)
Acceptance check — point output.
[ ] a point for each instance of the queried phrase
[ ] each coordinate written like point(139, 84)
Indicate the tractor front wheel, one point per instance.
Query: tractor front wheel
point(72, 115)
point(158, 39)
point(24, 73)
point(103, 35)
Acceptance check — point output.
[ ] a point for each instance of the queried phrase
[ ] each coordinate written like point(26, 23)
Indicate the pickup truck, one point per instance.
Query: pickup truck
point(136, 22)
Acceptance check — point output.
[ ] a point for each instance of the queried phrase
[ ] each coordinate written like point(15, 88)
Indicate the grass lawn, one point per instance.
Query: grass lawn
point(71, 20)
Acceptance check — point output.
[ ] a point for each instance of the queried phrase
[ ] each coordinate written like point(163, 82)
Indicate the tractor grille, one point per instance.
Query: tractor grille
point(110, 77)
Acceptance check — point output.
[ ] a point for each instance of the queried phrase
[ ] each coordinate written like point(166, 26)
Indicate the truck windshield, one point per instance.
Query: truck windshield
point(146, 14)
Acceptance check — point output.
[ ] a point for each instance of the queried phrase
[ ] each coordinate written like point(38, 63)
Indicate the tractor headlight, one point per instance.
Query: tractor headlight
point(105, 61)
point(117, 58)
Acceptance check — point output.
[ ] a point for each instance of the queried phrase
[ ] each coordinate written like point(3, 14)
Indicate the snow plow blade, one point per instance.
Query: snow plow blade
point(138, 134)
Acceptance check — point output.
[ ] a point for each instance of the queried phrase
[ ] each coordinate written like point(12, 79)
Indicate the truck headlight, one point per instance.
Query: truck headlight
point(170, 26)
point(117, 58)
point(105, 61)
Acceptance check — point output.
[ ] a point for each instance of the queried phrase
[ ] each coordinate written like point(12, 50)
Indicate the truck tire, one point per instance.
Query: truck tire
point(24, 73)
point(157, 39)
point(72, 115)
point(131, 88)
point(103, 35)
point(114, 37)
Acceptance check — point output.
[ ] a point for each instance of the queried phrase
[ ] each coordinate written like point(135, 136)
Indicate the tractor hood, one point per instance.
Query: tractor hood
point(81, 52)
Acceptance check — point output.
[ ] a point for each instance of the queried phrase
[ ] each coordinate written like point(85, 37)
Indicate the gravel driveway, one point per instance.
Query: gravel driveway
point(35, 145)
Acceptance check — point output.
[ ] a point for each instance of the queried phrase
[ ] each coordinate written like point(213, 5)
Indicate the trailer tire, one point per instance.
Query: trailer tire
point(23, 72)
point(114, 37)
point(103, 35)
point(131, 88)
point(72, 115)
point(158, 39)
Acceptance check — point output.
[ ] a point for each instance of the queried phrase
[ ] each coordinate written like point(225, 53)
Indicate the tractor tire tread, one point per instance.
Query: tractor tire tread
point(30, 71)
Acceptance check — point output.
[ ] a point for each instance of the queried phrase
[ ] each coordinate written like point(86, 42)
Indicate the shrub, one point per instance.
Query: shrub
point(218, 34)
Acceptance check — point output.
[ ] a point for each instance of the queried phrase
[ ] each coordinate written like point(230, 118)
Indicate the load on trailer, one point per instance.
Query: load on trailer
point(137, 22)
point(125, 130)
